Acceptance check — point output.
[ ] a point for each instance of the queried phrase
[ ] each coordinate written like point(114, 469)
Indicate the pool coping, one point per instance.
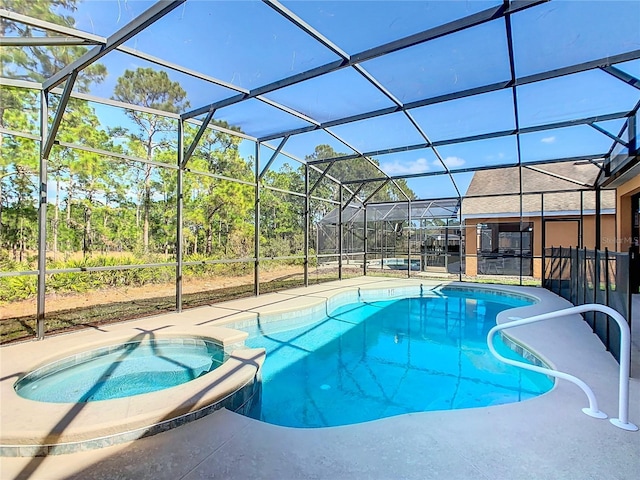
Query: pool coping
point(224, 314)
point(33, 428)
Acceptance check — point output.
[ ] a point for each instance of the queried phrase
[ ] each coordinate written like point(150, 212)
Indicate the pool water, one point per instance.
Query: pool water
point(121, 371)
point(373, 360)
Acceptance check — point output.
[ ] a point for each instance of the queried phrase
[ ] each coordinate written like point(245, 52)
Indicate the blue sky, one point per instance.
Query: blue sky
point(246, 43)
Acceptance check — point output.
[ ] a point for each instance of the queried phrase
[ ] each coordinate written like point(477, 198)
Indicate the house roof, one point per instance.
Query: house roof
point(495, 192)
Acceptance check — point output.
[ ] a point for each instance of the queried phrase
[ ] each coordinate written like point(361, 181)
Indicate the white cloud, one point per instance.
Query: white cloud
point(453, 162)
point(420, 165)
point(548, 139)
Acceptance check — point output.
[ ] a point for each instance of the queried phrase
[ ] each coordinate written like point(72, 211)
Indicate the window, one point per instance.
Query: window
point(505, 248)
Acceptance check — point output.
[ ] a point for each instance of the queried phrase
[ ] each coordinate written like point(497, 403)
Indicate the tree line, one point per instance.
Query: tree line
point(118, 207)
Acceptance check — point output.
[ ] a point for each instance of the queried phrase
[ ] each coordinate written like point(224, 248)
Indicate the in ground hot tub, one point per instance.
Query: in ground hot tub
point(122, 370)
point(127, 389)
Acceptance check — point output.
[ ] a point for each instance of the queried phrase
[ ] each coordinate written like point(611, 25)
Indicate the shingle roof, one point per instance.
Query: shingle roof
point(534, 179)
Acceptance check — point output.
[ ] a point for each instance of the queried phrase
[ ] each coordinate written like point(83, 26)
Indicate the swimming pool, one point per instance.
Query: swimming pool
point(374, 359)
point(122, 370)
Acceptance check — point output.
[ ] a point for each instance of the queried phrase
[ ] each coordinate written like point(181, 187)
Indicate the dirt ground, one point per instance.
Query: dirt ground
point(56, 302)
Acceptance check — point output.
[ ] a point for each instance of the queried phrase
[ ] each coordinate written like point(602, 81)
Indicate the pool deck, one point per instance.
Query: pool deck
point(547, 437)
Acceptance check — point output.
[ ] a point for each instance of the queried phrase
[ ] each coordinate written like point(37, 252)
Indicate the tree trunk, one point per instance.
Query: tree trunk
point(1, 193)
point(86, 243)
point(105, 218)
point(21, 238)
point(209, 243)
point(56, 220)
point(145, 213)
point(147, 199)
point(69, 202)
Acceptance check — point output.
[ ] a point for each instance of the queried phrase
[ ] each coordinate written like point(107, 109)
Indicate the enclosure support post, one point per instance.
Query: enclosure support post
point(409, 239)
point(514, 95)
point(606, 290)
point(256, 225)
point(462, 250)
point(633, 138)
point(585, 283)
point(365, 242)
point(598, 219)
point(306, 225)
point(543, 240)
point(571, 273)
point(520, 254)
point(633, 262)
point(446, 247)
point(596, 283)
point(42, 216)
point(581, 233)
point(340, 234)
point(179, 215)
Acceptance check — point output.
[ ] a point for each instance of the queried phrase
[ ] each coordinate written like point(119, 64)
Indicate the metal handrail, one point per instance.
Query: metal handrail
point(625, 359)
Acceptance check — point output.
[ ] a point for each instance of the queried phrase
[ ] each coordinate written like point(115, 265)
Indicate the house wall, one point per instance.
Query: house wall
point(622, 240)
point(470, 248)
point(558, 233)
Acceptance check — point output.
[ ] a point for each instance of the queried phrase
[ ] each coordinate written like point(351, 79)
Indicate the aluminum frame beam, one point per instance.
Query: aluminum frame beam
point(179, 68)
point(485, 136)
point(13, 133)
point(371, 162)
point(560, 72)
point(45, 41)
point(116, 103)
point(308, 29)
point(322, 175)
point(346, 60)
point(179, 216)
point(491, 195)
point(608, 176)
point(633, 134)
point(374, 193)
point(621, 75)
point(42, 220)
point(256, 222)
point(138, 24)
point(477, 169)
point(391, 47)
point(62, 106)
point(120, 156)
point(516, 116)
point(50, 26)
point(613, 137)
point(14, 82)
point(273, 158)
point(353, 197)
point(434, 149)
point(307, 222)
point(196, 139)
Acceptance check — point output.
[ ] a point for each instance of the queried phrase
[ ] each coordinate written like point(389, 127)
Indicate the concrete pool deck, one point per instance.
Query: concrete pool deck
point(545, 437)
